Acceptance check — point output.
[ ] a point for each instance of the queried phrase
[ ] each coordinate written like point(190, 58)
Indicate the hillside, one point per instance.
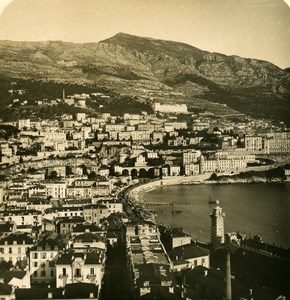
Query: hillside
point(147, 69)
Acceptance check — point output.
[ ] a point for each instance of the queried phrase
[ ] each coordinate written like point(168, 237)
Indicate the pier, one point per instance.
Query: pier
point(165, 203)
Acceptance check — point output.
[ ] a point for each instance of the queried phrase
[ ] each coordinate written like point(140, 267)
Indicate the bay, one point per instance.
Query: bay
point(254, 209)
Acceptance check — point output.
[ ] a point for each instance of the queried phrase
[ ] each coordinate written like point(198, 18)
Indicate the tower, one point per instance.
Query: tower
point(228, 277)
point(217, 226)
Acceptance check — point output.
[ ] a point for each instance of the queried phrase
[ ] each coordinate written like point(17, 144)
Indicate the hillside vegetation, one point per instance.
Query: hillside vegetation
point(148, 70)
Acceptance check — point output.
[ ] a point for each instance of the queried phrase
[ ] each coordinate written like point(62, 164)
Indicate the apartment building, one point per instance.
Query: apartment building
point(42, 257)
point(15, 246)
point(75, 266)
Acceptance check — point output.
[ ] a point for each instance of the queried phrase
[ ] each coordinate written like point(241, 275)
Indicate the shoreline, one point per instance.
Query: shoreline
point(136, 197)
point(136, 194)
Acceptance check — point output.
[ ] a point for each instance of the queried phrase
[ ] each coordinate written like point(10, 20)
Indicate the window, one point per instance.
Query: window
point(195, 262)
point(35, 264)
point(203, 260)
point(92, 271)
point(51, 273)
point(43, 256)
point(77, 272)
point(10, 250)
point(19, 249)
point(63, 271)
point(43, 273)
point(35, 255)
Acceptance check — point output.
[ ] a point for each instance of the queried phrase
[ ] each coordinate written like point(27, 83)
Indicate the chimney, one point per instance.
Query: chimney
point(228, 277)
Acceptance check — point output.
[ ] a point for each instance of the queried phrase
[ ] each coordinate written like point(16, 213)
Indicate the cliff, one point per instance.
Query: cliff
point(151, 69)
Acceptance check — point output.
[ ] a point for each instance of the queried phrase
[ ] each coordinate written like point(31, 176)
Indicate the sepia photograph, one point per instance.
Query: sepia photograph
point(145, 149)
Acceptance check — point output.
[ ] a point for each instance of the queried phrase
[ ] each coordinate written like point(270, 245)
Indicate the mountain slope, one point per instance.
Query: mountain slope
point(150, 69)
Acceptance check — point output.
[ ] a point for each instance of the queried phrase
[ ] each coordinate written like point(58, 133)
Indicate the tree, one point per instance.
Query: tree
point(5, 266)
point(53, 175)
point(31, 170)
point(213, 176)
point(68, 170)
point(92, 175)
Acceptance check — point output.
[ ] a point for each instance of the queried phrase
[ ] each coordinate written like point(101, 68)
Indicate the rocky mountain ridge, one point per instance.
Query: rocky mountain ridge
point(159, 70)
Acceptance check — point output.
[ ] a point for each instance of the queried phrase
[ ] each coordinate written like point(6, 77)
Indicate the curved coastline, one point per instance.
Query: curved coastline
point(136, 194)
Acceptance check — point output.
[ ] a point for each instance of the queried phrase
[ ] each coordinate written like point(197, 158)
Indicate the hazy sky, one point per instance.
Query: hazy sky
point(249, 28)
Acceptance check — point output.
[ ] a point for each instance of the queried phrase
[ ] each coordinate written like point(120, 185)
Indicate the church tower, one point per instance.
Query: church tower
point(217, 226)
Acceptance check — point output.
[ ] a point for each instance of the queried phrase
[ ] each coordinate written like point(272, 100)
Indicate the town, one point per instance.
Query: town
point(70, 227)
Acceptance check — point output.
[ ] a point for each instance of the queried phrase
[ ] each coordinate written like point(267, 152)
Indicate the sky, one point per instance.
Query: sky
point(248, 28)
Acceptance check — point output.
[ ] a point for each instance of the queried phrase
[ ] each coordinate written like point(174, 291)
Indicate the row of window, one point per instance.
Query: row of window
point(43, 273)
point(77, 272)
point(42, 255)
point(10, 250)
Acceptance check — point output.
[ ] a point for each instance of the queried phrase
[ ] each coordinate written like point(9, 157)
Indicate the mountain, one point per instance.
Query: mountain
point(147, 69)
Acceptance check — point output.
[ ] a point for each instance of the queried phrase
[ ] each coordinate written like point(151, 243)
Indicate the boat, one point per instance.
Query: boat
point(174, 211)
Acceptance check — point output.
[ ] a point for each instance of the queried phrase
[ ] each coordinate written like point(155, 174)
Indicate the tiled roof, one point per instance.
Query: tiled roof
point(188, 251)
point(160, 292)
point(5, 289)
point(80, 290)
point(86, 227)
point(50, 243)
point(7, 276)
point(153, 273)
point(90, 257)
point(19, 237)
point(39, 293)
point(6, 227)
point(88, 237)
point(72, 219)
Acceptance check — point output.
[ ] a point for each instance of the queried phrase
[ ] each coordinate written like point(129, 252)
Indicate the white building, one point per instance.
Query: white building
point(191, 169)
point(80, 266)
point(42, 257)
point(190, 157)
point(23, 123)
point(55, 189)
point(253, 143)
point(189, 256)
point(15, 246)
point(170, 108)
point(22, 217)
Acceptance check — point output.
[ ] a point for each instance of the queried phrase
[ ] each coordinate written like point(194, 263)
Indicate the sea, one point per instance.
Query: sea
point(254, 209)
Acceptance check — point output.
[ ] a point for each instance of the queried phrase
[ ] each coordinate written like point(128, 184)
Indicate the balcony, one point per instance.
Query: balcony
point(91, 277)
point(63, 276)
point(77, 278)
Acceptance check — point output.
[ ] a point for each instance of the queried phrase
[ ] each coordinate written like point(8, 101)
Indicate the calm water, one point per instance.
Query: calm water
point(262, 209)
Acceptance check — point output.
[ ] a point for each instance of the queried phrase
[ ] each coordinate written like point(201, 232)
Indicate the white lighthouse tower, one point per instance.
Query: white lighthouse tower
point(217, 226)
